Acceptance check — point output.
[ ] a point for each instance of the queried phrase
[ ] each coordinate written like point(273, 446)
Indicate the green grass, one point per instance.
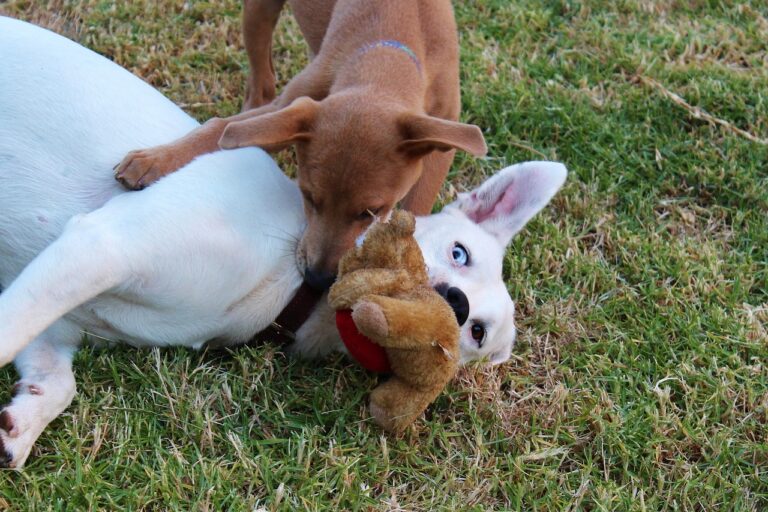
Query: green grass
point(640, 379)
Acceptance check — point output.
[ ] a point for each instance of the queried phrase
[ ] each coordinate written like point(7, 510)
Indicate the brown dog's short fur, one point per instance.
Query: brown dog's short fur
point(384, 282)
point(372, 124)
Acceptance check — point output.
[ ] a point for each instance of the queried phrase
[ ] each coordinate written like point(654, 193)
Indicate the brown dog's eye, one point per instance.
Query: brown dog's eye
point(368, 213)
point(309, 202)
point(478, 333)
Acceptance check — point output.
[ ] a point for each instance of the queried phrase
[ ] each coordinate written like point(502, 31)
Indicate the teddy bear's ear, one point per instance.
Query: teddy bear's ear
point(511, 197)
point(402, 222)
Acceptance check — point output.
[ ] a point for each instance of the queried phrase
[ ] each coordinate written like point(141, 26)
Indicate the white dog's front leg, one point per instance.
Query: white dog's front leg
point(84, 262)
point(318, 336)
point(46, 388)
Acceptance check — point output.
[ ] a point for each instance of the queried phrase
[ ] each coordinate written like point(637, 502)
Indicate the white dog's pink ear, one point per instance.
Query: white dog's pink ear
point(511, 197)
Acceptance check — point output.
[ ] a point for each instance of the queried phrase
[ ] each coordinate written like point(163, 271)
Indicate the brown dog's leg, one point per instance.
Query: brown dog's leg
point(259, 20)
point(422, 196)
point(143, 167)
point(313, 17)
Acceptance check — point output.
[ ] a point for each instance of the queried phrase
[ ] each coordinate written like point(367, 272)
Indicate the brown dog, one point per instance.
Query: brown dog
point(373, 116)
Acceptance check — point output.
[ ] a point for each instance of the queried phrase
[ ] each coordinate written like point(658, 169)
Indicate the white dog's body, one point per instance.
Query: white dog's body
point(187, 258)
point(206, 253)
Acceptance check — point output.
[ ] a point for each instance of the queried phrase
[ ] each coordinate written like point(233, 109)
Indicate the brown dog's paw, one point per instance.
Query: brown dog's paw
point(259, 92)
point(370, 320)
point(141, 168)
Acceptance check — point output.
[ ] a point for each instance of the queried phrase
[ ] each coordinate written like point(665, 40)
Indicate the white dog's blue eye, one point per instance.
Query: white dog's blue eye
point(460, 254)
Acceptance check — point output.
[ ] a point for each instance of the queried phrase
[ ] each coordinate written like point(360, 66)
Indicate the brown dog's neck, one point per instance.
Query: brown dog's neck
point(391, 44)
point(387, 72)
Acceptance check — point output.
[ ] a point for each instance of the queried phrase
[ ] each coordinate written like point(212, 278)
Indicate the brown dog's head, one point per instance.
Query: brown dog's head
point(357, 158)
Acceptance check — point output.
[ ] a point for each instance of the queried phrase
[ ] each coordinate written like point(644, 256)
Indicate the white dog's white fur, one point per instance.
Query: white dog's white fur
point(206, 253)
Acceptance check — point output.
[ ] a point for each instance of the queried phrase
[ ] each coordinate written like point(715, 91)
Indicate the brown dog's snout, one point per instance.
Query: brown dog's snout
point(323, 244)
point(321, 267)
point(319, 280)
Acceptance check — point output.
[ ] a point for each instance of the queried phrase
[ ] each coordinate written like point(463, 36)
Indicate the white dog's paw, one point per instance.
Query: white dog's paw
point(19, 426)
point(15, 443)
point(6, 426)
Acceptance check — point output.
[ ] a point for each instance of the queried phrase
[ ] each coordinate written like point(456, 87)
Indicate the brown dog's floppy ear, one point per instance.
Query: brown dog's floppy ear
point(424, 134)
point(275, 130)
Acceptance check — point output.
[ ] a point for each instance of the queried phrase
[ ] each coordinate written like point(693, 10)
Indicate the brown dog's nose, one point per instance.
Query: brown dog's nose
point(318, 279)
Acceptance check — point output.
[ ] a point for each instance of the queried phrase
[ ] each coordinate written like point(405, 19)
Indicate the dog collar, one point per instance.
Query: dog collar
point(391, 43)
point(292, 317)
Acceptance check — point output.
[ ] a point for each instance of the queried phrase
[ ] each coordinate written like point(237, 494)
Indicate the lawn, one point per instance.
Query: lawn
point(640, 377)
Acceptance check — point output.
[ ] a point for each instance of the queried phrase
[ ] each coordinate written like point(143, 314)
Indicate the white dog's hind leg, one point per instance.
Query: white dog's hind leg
point(45, 389)
point(84, 262)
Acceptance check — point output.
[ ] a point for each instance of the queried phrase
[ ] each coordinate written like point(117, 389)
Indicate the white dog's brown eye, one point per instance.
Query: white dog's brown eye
point(478, 333)
point(460, 255)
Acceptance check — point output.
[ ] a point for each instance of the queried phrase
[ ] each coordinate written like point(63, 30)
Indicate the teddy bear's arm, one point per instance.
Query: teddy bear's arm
point(378, 281)
point(405, 324)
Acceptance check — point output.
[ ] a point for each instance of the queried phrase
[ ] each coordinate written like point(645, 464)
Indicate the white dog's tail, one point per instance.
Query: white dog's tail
point(84, 262)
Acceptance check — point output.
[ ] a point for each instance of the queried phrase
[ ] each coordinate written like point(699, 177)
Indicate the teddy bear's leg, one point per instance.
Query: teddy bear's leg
point(352, 286)
point(405, 324)
point(395, 404)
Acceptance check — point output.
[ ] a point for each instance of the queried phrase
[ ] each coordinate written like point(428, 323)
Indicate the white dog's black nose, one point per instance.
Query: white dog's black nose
point(456, 299)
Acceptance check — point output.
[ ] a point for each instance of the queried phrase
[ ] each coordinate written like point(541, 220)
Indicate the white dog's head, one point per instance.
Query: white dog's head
point(464, 246)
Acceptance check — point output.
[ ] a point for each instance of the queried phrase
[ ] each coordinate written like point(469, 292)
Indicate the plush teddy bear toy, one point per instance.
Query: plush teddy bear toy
point(382, 295)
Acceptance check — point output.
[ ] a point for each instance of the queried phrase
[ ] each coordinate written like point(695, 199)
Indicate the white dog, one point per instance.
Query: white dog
point(207, 253)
